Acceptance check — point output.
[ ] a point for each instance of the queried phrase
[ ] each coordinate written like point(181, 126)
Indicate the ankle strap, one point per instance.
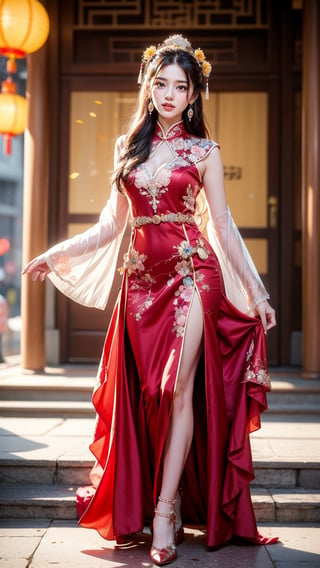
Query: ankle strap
point(171, 516)
point(168, 501)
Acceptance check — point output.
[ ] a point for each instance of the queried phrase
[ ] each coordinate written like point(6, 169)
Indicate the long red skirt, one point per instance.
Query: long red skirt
point(133, 401)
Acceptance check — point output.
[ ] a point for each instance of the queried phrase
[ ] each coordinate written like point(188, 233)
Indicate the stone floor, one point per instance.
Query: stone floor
point(38, 544)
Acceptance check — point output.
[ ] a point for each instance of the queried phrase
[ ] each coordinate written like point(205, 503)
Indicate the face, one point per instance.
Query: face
point(171, 94)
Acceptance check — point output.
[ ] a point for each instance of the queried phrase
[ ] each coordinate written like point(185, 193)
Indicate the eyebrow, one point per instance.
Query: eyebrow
point(178, 81)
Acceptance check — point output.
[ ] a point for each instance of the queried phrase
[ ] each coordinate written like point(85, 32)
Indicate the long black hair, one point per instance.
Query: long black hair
point(137, 144)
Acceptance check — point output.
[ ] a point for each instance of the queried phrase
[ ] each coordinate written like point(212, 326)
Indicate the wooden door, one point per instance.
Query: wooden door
point(243, 125)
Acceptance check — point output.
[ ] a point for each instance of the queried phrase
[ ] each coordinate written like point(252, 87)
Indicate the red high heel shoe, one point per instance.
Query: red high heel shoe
point(163, 556)
point(179, 532)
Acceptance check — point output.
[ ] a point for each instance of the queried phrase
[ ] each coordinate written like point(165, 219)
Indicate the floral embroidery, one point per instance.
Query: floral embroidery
point(183, 295)
point(181, 315)
point(192, 149)
point(186, 250)
point(197, 152)
point(148, 278)
point(134, 264)
point(133, 261)
point(186, 149)
point(201, 250)
point(178, 144)
point(183, 268)
point(142, 306)
point(152, 186)
point(182, 301)
point(187, 281)
point(255, 369)
point(61, 264)
point(199, 279)
point(188, 200)
point(186, 146)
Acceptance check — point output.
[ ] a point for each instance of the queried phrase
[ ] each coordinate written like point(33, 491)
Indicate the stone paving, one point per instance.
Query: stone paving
point(39, 544)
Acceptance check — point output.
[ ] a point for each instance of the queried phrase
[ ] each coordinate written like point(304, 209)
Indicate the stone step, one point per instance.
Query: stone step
point(58, 502)
point(84, 409)
point(79, 385)
point(75, 471)
point(283, 408)
point(42, 395)
point(80, 409)
point(40, 408)
point(41, 387)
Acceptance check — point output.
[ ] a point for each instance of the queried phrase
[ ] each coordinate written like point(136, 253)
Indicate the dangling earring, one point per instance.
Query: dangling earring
point(150, 107)
point(190, 113)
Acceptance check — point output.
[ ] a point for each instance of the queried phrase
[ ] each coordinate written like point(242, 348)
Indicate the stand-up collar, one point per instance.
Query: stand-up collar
point(175, 131)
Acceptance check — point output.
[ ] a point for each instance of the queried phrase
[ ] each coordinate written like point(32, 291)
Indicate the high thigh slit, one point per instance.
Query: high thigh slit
point(169, 263)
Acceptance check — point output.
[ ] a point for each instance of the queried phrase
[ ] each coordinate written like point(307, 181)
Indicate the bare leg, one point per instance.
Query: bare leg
point(180, 430)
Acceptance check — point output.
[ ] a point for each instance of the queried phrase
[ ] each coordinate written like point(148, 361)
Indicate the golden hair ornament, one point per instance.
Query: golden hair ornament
point(177, 42)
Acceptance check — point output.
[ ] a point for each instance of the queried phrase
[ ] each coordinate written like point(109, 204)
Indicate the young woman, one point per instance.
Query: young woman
point(183, 376)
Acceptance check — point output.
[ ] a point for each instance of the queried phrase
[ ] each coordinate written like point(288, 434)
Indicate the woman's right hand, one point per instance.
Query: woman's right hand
point(37, 268)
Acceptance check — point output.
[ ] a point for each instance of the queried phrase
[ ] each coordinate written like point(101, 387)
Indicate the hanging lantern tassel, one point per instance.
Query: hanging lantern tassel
point(7, 144)
point(207, 89)
point(11, 64)
point(140, 74)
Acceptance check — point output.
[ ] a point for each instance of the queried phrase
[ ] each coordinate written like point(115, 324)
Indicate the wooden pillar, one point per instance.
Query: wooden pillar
point(311, 188)
point(35, 210)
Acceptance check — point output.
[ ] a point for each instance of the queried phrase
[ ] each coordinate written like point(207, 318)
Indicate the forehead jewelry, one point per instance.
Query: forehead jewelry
point(177, 42)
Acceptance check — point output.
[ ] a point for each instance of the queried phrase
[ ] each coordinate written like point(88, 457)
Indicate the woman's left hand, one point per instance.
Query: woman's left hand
point(267, 315)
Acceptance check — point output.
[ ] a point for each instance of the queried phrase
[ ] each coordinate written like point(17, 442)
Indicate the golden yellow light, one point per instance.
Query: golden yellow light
point(74, 175)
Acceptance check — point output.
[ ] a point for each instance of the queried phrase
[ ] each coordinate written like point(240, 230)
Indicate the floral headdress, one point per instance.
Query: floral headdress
point(177, 42)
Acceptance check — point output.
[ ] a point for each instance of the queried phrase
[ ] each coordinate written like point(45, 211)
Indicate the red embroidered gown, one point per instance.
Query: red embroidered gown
point(168, 262)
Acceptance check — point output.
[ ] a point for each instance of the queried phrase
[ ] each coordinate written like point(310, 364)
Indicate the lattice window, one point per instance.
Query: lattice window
point(166, 14)
point(126, 49)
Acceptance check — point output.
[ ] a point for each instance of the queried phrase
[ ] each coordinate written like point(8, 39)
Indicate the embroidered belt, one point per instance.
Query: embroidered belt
point(163, 218)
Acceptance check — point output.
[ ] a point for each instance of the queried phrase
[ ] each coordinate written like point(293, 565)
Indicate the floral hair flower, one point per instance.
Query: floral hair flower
point(199, 55)
point(148, 53)
point(206, 68)
point(146, 56)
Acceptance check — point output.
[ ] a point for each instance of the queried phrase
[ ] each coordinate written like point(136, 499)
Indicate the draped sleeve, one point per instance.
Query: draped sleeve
point(243, 285)
point(83, 267)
